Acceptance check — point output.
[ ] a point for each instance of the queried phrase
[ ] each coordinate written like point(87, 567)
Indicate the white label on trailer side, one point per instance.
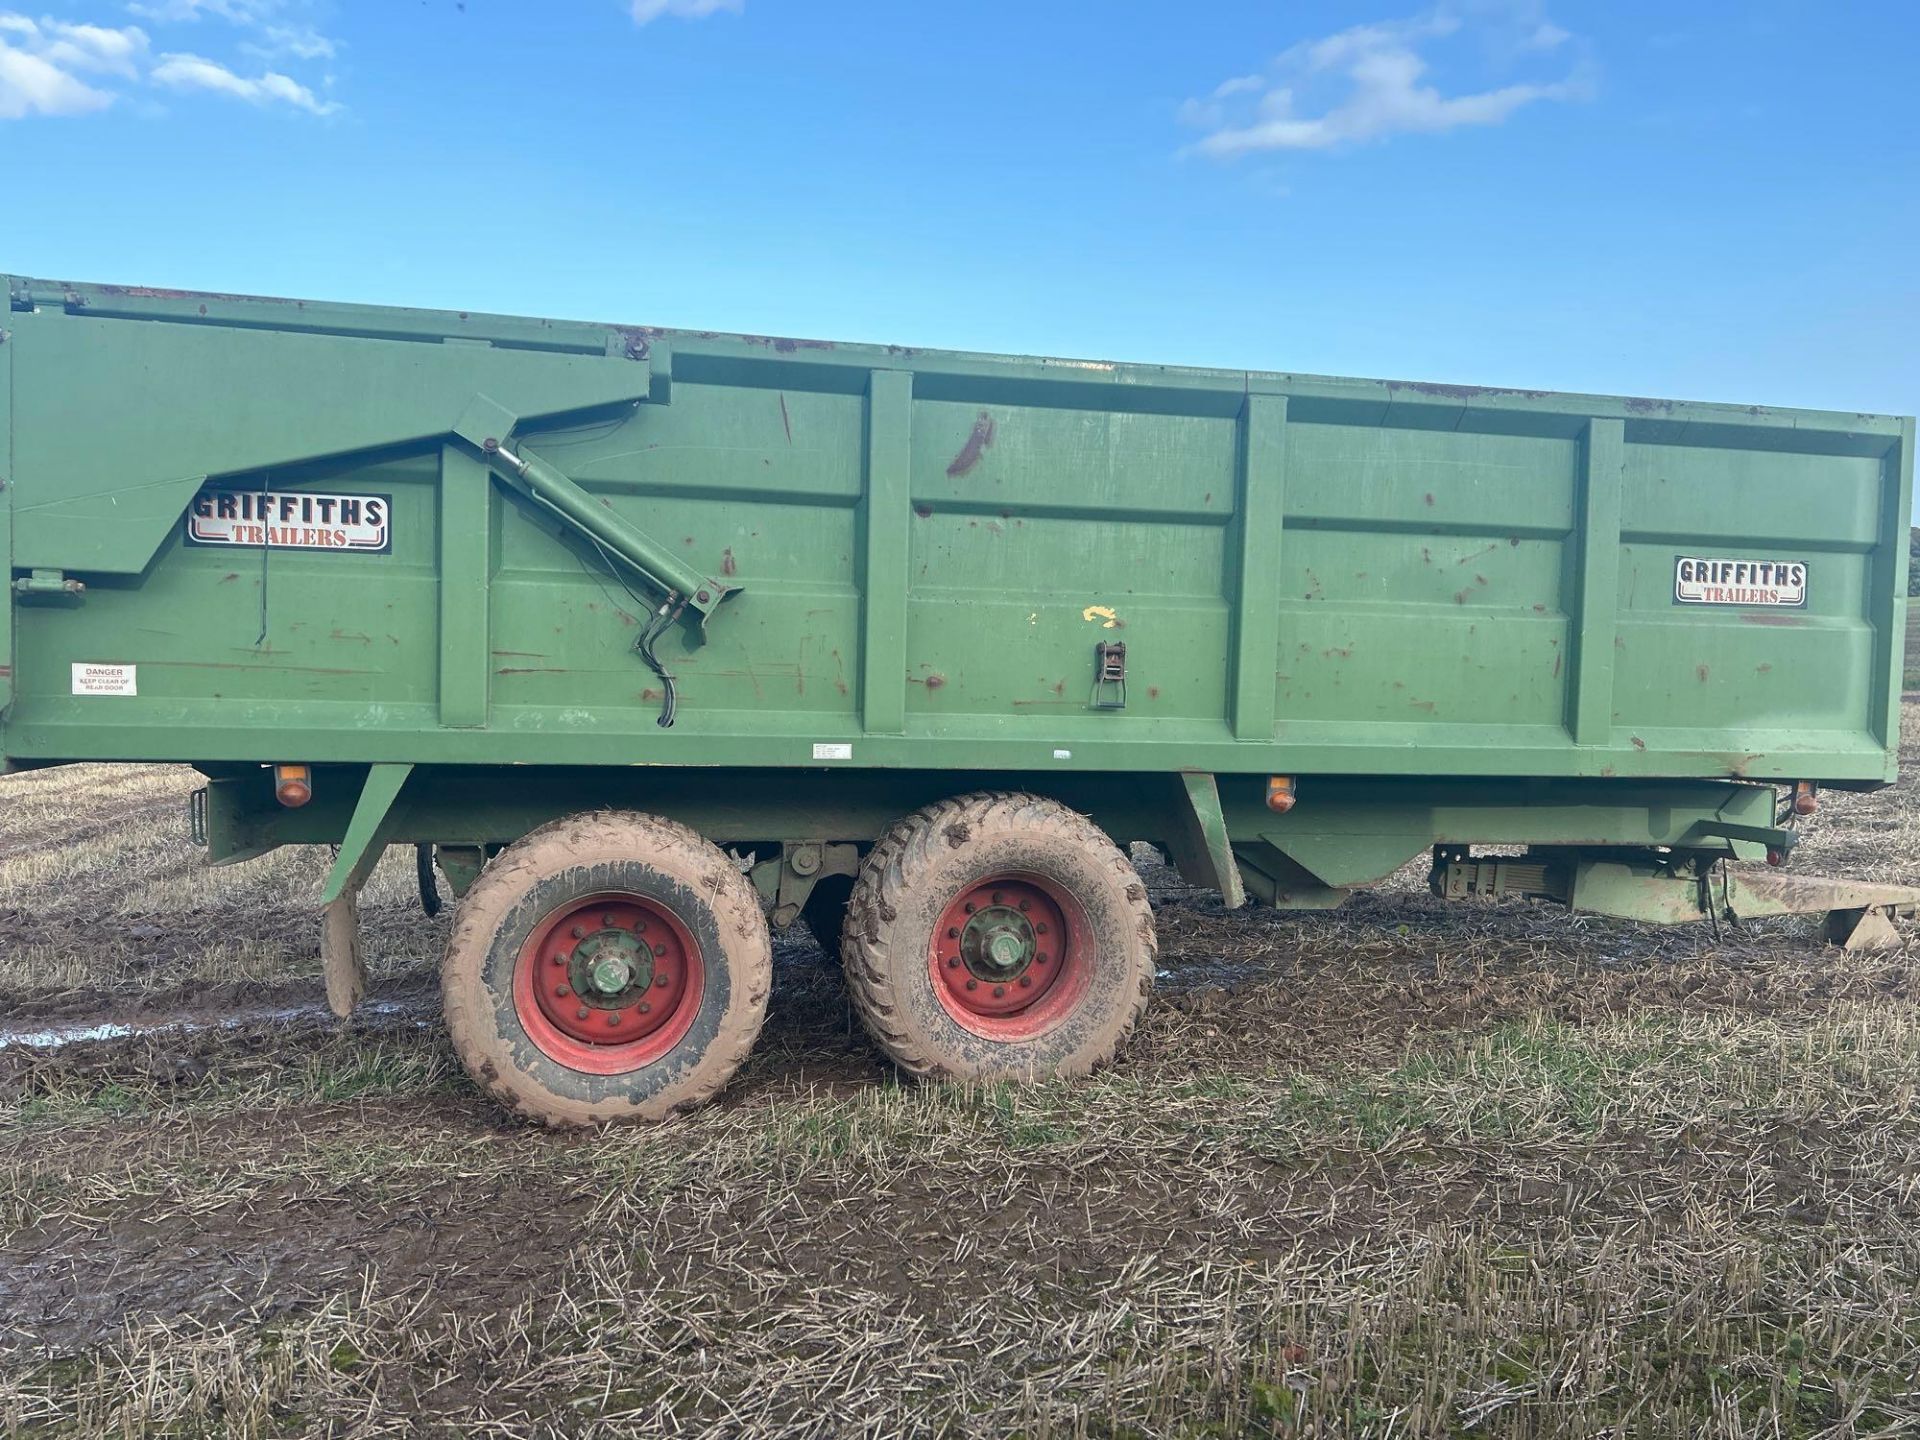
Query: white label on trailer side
point(1739, 582)
point(90, 679)
point(291, 520)
point(832, 752)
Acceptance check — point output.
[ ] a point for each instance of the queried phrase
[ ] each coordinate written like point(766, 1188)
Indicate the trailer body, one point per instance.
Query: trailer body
point(465, 569)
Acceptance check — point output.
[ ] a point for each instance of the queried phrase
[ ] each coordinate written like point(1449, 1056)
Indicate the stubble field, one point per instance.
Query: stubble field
point(1404, 1169)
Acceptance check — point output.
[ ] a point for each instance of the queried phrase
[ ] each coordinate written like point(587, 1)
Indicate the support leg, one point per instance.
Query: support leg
point(341, 959)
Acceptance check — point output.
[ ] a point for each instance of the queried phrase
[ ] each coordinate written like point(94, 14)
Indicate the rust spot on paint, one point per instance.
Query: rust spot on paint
point(1762, 668)
point(649, 694)
point(1429, 497)
point(1059, 687)
point(1460, 596)
point(936, 680)
point(1153, 692)
point(1556, 665)
point(230, 575)
point(1539, 609)
point(727, 567)
point(1701, 671)
point(1638, 743)
point(785, 422)
point(980, 439)
point(1461, 392)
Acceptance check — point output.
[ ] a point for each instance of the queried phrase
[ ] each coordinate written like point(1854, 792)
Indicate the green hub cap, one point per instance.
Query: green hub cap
point(997, 943)
point(609, 963)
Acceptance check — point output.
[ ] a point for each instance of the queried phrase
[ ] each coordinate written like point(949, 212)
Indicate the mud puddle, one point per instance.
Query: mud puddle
point(377, 1014)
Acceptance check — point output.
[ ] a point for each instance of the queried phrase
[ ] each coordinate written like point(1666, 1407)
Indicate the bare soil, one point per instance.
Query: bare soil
point(1402, 1169)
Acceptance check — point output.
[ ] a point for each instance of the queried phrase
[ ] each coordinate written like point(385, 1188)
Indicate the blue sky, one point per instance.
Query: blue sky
point(1705, 200)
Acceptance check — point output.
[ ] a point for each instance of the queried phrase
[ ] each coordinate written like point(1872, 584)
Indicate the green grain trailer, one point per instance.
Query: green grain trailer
point(917, 636)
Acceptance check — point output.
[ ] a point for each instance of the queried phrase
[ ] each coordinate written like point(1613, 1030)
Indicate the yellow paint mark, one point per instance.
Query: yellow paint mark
point(1104, 614)
point(1033, 617)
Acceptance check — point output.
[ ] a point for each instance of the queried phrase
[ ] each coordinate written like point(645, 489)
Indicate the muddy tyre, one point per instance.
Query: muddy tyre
point(826, 912)
point(998, 937)
point(606, 967)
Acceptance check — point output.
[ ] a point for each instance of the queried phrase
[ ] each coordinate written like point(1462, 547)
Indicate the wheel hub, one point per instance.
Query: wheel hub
point(610, 962)
point(997, 943)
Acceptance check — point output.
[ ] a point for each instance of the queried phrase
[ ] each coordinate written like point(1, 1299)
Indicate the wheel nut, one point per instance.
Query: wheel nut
point(661, 981)
point(614, 1018)
point(610, 921)
point(658, 951)
point(1040, 929)
point(998, 898)
point(645, 1006)
point(640, 924)
point(559, 959)
point(998, 991)
point(579, 932)
point(1026, 980)
point(562, 990)
point(581, 1013)
point(953, 962)
point(969, 907)
point(973, 984)
point(953, 932)
point(1026, 905)
point(1040, 959)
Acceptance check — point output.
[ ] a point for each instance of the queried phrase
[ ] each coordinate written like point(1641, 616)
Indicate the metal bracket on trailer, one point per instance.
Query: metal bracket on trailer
point(786, 881)
point(1202, 850)
point(1676, 889)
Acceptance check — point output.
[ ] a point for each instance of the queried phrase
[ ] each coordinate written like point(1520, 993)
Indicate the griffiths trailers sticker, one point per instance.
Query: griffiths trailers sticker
point(291, 520)
point(1739, 582)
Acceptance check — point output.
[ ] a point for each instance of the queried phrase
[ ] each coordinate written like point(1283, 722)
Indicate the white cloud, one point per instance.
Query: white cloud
point(41, 63)
point(646, 11)
point(61, 67)
point(196, 72)
point(278, 25)
point(1371, 82)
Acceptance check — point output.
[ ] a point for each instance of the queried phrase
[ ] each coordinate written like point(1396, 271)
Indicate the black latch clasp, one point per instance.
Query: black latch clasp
point(1109, 676)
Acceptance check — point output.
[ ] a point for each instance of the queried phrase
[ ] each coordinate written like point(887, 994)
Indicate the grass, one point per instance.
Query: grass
point(1399, 1170)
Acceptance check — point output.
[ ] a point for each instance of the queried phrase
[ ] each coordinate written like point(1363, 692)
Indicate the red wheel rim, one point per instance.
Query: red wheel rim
point(1010, 956)
point(608, 984)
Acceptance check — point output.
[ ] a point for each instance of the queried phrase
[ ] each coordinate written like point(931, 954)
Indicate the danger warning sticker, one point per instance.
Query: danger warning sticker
point(291, 520)
point(92, 679)
point(1739, 582)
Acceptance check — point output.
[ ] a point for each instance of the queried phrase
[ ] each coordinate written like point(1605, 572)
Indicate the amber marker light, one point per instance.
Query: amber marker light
point(292, 785)
point(1280, 796)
